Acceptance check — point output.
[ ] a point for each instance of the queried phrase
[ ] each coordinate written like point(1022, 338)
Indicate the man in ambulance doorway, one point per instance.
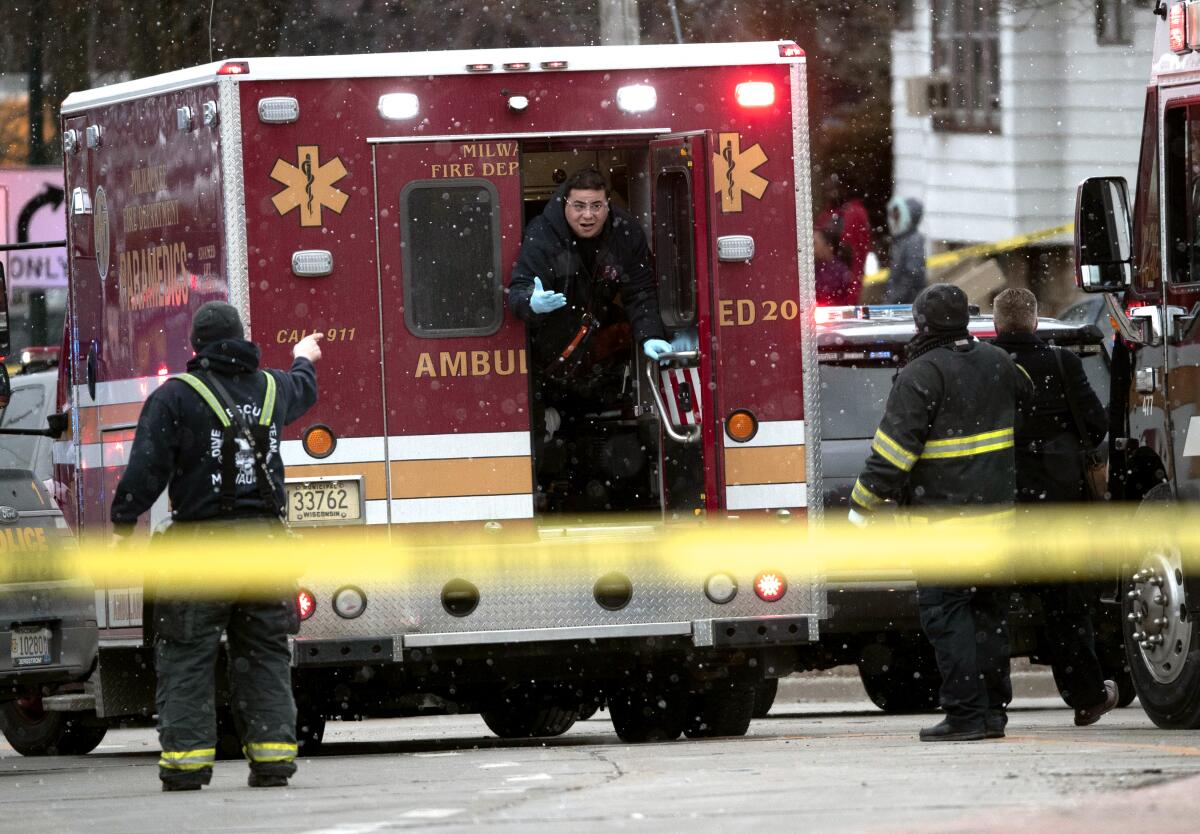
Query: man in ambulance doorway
point(584, 285)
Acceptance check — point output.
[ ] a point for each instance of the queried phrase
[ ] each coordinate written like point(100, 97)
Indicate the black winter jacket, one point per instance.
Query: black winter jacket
point(177, 445)
point(1049, 464)
point(551, 251)
point(946, 437)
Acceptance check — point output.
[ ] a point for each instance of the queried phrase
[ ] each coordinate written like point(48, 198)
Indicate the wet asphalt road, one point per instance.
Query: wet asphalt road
point(833, 766)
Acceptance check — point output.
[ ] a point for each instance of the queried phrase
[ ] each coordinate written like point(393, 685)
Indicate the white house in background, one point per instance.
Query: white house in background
point(1001, 107)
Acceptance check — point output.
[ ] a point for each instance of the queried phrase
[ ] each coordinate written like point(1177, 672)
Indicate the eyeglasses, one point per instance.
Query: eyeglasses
point(594, 208)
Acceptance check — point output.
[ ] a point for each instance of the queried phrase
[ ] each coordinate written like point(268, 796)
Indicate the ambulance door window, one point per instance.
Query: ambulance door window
point(674, 249)
point(1146, 243)
point(450, 256)
point(1183, 193)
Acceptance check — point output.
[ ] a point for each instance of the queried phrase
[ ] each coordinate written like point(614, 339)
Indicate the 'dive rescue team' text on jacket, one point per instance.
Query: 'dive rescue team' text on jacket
point(179, 437)
point(620, 264)
point(946, 437)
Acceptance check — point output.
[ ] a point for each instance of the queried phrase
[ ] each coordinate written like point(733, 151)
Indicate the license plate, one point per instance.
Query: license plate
point(328, 502)
point(31, 647)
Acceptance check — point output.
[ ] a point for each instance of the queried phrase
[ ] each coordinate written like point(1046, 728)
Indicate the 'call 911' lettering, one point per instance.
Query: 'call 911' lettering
point(333, 334)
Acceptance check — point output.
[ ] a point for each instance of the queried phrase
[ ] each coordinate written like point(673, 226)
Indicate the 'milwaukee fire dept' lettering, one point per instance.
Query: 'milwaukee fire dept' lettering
point(156, 276)
point(471, 363)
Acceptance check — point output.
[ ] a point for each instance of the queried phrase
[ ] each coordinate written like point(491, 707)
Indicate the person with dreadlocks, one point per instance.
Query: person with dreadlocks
point(944, 448)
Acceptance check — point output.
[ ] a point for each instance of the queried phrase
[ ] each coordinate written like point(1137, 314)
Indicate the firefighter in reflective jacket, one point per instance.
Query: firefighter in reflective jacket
point(210, 437)
point(945, 445)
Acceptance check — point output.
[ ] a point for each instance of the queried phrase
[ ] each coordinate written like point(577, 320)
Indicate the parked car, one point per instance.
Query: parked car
point(48, 626)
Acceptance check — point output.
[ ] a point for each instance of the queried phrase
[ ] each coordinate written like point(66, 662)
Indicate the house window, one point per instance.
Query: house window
point(966, 59)
point(451, 258)
point(1112, 23)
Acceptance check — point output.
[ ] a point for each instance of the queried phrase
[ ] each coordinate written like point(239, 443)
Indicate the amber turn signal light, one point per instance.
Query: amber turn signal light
point(319, 441)
point(741, 425)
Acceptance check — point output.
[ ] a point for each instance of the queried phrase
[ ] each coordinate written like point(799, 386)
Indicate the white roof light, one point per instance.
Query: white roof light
point(398, 105)
point(637, 98)
point(312, 263)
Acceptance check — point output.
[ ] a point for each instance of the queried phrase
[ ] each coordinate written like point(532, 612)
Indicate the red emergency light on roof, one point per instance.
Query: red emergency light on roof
point(790, 50)
point(1177, 28)
point(234, 68)
point(516, 66)
point(479, 67)
point(552, 65)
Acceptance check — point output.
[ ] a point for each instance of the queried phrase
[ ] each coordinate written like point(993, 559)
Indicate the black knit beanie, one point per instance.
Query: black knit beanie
point(941, 309)
point(215, 320)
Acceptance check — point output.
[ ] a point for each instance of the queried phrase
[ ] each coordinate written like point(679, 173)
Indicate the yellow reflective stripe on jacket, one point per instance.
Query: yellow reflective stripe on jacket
point(268, 401)
point(864, 496)
point(270, 751)
point(188, 759)
point(208, 396)
point(972, 444)
point(893, 452)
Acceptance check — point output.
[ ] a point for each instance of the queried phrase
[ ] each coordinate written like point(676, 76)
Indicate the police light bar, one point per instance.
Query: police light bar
point(637, 98)
point(398, 105)
point(755, 93)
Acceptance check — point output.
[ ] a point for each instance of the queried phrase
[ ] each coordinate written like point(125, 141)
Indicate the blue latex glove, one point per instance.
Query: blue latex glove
point(654, 348)
point(544, 301)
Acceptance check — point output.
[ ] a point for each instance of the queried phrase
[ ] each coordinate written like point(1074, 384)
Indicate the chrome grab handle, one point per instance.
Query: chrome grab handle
point(680, 434)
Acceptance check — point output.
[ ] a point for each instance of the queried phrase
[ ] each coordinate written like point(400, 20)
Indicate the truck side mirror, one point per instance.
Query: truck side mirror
point(1103, 235)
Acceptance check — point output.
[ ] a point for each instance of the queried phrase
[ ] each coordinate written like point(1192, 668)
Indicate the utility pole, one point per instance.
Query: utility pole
point(619, 23)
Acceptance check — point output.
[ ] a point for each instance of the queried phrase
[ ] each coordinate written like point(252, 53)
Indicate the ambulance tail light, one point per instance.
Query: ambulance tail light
point(234, 68)
point(790, 50)
point(319, 441)
point(306, 603)
point(637, 98)
point(741, 425)
point(755, 93)
point(770, 585)
point(398, 106)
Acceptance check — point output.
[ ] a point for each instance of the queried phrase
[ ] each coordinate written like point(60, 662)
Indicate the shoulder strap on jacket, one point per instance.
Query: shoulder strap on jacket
point(207, 395)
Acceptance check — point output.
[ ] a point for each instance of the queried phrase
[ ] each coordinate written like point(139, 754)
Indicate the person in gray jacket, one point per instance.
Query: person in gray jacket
point(906, 276)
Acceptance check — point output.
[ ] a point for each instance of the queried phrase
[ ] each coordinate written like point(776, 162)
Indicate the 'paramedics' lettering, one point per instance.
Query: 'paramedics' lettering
point(156, 276)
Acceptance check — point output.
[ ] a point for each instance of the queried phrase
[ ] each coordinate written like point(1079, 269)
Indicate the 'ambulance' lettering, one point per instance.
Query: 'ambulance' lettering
point(471, 363)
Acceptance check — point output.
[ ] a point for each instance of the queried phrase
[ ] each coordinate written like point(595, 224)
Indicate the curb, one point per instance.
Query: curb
point(839, 685)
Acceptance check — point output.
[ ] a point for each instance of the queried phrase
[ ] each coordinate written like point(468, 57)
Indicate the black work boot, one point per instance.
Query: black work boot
point(266, 780)
point(946, 731)
point(994, 724)
point(180, 786)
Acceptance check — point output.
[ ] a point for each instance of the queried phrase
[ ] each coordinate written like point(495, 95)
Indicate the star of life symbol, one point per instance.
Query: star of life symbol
point(733, 172)
point(309, 186)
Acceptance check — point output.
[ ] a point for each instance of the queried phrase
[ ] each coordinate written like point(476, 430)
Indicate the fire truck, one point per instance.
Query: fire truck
point(1147, 262)
point(381, 200)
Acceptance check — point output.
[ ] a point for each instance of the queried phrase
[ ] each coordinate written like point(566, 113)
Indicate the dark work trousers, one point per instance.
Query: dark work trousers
point(1067, 641)
point(968, 628)
point(187, 639)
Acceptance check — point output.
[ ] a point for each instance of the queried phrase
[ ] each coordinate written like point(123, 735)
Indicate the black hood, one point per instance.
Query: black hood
point(226, 356)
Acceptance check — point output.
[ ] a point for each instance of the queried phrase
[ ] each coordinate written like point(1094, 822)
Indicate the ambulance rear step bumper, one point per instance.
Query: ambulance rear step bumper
point(740, 632)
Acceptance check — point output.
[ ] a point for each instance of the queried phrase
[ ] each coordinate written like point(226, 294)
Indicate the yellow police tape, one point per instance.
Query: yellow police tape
point(1037, 546)
point(943, 260)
